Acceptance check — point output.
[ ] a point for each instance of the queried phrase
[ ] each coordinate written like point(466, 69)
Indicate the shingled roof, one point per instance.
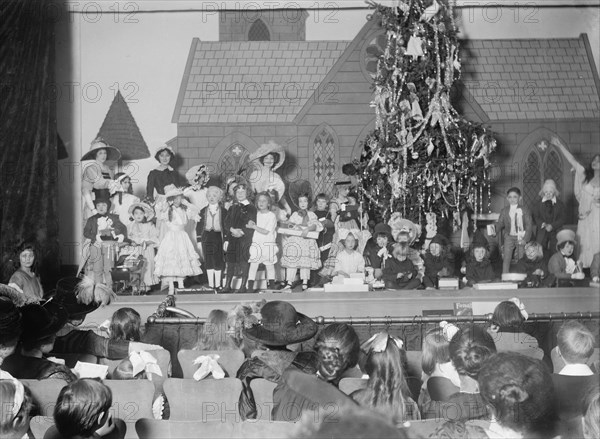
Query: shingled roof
point(531, 78)
point(120, 130)
point(257, 81)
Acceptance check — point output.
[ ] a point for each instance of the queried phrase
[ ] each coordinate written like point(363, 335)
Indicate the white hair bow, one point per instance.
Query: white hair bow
point(449, 330)
point(19, 391)
point(144, 362)
point(208, 364)
point(521, 306)
point(378, 342)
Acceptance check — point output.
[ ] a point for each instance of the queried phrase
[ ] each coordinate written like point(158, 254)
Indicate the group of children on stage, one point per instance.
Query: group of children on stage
point(236, 235)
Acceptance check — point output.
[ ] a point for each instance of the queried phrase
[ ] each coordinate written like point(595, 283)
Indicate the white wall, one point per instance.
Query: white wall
point(144, 55)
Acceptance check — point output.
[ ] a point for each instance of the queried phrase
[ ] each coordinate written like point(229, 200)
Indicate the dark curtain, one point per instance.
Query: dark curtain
point(28, 154)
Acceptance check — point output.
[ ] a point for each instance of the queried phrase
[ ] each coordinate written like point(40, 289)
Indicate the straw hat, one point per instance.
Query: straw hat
point(269, 148)
point(172, 191)
point(97, 144)
point(281, 325)
point(147, 210)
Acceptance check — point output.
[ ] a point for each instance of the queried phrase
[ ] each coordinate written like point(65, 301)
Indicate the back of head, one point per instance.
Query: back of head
point(345, 336)
point(469, 348)
point(435, 350)
point(215, 335)
point(507, 316)
point(15, 409)
point(591, 414)
point(575, 342)
point(520, 390)
point(125, 325)
point(79, 407)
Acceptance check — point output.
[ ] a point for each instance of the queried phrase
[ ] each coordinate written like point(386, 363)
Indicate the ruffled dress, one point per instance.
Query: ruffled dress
point(176, 256)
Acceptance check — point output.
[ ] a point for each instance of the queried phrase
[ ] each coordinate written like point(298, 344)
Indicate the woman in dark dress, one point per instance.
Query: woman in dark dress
point(238, 237)
point(163, 175)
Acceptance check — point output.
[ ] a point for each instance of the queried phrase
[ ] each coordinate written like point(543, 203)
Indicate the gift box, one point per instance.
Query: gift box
point(496, 286)
point(448, 283)
point(295, 232)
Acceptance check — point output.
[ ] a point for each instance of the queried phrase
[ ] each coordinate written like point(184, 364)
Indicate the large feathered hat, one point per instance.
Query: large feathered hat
point(81, 296)
point(269, 148)
point(97, 144)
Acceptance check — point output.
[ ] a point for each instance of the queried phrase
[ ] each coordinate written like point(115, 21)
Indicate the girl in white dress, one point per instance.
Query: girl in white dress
point(587, 192)
point(122, 200)
point(176, 257)
point(264, 241)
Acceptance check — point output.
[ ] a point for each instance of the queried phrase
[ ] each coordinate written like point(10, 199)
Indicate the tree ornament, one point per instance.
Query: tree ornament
point(430, 147)
point(431, 11)
point(415, 47)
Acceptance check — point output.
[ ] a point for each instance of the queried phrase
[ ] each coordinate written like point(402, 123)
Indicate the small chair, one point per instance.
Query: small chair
point(262, 390)
point(349, 385)
point(131, 399)
point(230, 361)
point(153, 429)
point(40, 424)
point(205, 400)
point(163, 358)
point(45, 393)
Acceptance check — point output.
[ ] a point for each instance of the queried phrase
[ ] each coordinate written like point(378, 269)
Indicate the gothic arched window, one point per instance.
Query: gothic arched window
point(532, 179)
point(553, 168)
point(325, 161)
point(259, 32)
point(233, 159)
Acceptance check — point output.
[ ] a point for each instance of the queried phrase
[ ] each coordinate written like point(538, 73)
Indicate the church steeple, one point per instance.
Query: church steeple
point(263, 25)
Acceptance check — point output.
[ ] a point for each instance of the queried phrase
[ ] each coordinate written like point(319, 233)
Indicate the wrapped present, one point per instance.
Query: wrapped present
point(286, 230)
point(448, 283)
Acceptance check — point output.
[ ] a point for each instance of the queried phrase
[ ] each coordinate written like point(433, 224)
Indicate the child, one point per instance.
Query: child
point(300, 252)
point(479, 268)
point(209, 232)
point(105, 231)
point(438, 262)
point(176, 257)
point(325, 239)
point(514, 226)
point(548, 216)
point(595, 268)
point(378, 249)
point(15, 410)
point(238, 236)
point(575, 346)
point(264, 241)
point(123, 198)
point(215, 333)
point(125, 325)
point(348, 261)
point(534, 266)
point(562, 264)
point(144, 235)
point(25, 278)
point(399, 272)
point(435, 363)
point(507, 329)
point(83, 411)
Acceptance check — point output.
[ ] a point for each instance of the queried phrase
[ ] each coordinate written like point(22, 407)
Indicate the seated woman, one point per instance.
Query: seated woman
point(40, 325)
point(387, 391)
point(518, 390)
point(25, 278)
point(16, 408)
point(469, 348)
point(507, 329)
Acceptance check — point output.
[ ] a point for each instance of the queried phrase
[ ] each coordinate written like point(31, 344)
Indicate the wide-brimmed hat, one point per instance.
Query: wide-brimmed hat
point(42, 320)
point(81, 296)
point(147, 210)
point(97, 144)
point(192, 174)
point(269, 148)
point(10, 319)
point(15, 296)
point(172, 191)
point(164, 148)
point(565, 235)
point(281, 325)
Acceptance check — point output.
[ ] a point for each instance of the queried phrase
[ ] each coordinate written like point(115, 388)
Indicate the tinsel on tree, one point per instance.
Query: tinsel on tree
point(422, 156)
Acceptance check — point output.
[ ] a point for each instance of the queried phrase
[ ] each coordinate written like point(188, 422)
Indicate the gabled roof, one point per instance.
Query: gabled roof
point(247, 82)
point(120, 130)
point(531, 78)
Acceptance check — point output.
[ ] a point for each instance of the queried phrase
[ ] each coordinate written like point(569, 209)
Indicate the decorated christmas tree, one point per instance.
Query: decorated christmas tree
point(422, 157)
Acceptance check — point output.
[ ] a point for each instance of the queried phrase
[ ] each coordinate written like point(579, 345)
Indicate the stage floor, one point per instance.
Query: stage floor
point(386, 303)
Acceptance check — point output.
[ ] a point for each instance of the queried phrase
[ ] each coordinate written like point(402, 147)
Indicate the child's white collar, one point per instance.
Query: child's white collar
point(577, 370)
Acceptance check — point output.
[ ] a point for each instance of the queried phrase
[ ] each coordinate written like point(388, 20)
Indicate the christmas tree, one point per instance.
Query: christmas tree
point(422, 156)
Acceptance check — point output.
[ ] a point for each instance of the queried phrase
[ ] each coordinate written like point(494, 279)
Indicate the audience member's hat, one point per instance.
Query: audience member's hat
point(194, 173)
point(41, 321)
point(10, 320)
point(565, 235)
point(15, 296)
point(383, 228)
point(148, 211)
point(97, 144)
point(172, 191)
point(269, 148)
point(82, 296)
point(164, 148)
point(281, 325)
point(103, 200)
point(480, 241)
point(439, 239)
